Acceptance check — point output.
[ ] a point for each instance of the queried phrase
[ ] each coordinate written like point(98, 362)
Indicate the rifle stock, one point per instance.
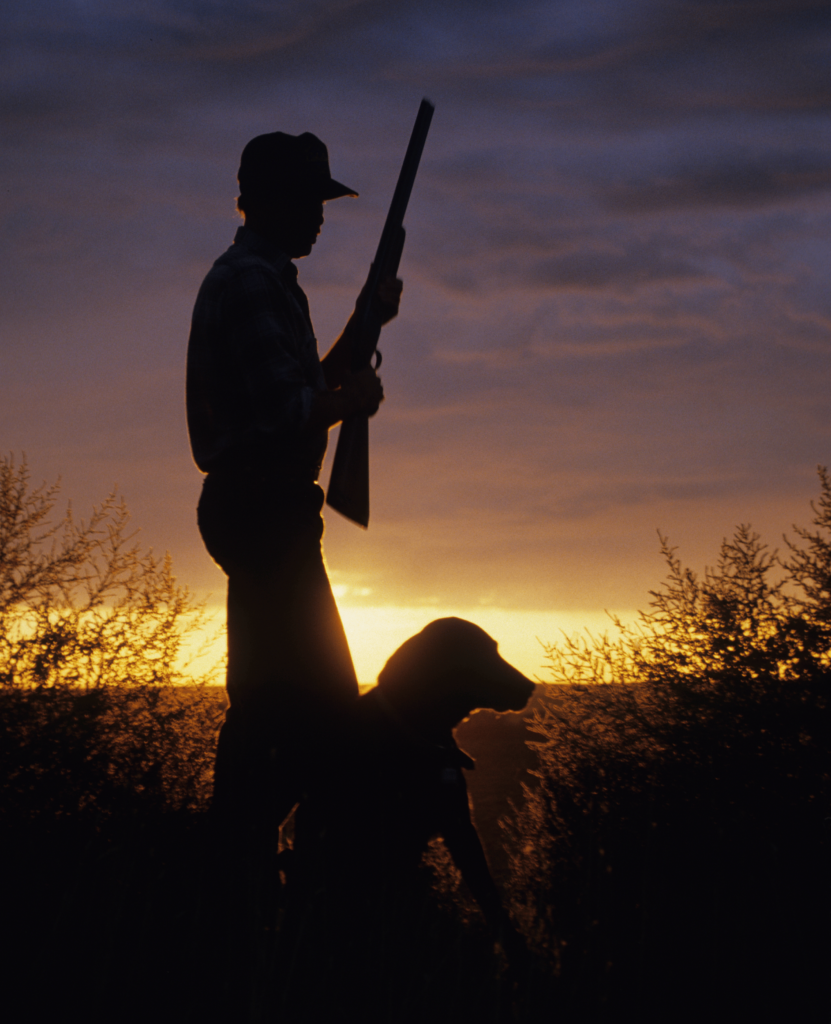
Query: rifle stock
point(348, 491)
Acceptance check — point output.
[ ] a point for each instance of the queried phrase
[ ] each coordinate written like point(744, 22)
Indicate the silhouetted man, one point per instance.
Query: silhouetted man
point(260, 403)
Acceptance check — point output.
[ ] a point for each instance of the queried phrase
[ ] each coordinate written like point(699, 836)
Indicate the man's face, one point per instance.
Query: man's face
point(302, 222)
point(293, 223)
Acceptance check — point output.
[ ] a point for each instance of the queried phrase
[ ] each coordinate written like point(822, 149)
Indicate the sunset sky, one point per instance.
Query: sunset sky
point(616, 314)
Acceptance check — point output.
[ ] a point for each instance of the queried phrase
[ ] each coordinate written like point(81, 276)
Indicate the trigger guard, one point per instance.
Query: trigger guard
point(377, 355)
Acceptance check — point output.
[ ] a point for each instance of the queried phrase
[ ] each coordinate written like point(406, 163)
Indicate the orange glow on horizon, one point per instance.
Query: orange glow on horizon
point(374, 632)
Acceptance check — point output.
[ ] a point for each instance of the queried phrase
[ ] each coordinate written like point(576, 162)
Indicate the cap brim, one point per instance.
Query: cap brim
point(335, 190)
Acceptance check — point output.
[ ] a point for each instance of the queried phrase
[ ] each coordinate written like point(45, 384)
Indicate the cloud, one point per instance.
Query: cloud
point(726, 182)
point(638, 266)
point(537, 252)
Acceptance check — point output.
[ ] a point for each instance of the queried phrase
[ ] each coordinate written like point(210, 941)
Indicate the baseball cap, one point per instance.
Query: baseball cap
point(280, 162)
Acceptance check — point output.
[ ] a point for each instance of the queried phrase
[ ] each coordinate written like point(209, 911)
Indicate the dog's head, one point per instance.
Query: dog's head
point(454, 663)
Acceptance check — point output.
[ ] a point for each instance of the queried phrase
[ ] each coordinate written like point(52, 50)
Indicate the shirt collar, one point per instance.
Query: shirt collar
point(262, 247)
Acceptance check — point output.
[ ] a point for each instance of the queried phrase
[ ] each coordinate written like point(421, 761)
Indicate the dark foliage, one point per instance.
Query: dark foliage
point(106, 750)
point(669, 862)
point(673, 859)
point(95, 720)
point(121, 903)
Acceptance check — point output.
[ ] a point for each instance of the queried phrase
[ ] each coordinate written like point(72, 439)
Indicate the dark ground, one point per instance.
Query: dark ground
point(116, 920)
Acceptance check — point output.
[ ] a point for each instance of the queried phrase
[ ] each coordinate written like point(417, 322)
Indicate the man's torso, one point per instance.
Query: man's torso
point(253, 365)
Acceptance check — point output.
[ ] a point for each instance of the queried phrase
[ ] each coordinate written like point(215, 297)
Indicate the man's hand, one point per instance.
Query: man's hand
point(336, 361)
point(387, 298)
point(360, 392)
point(363, 391)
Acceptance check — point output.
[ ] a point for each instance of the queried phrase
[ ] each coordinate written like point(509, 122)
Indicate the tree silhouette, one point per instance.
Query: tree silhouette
point(92, 632)
point(106, 752)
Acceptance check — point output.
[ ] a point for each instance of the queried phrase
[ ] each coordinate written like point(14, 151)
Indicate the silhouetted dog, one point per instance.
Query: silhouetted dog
point(391, 780)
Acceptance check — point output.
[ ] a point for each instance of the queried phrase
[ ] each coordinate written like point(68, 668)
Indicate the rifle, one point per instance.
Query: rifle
point(349, 481)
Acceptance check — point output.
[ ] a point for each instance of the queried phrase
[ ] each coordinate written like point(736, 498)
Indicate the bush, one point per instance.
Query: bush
point(674, 849)
point(98, 713)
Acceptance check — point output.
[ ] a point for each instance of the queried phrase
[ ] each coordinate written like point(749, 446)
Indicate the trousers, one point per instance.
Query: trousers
point(289, 669)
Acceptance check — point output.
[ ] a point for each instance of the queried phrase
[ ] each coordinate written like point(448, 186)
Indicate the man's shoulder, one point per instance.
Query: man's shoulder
point(250, 250)
point(239, 259)
point(238, 270)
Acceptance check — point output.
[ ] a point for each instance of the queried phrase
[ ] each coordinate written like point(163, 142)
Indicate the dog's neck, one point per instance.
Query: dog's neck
point(420, 727)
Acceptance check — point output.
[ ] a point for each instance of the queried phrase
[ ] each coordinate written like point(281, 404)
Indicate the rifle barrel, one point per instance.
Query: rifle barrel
point(348, 491)
point(388, 253)
point(407, 176)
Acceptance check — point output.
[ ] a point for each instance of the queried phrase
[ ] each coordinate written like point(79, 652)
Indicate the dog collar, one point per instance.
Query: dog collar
point(464, 760)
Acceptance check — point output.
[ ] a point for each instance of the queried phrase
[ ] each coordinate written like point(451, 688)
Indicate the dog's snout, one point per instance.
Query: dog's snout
point(512, 692)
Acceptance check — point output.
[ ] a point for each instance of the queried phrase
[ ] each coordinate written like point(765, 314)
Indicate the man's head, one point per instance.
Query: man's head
point(284, 181)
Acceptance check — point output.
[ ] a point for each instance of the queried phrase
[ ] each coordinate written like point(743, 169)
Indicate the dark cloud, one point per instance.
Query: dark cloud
point(582, 268)
point(613, 496)
point(638, 266)
point(534, 250)
point(726, 182)
point(590, 59)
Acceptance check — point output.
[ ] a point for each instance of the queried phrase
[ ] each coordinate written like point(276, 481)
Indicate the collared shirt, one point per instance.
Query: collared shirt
point(253, 365)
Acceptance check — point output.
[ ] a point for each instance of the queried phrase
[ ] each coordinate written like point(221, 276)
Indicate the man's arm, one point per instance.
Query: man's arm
point(358, 393)
point(337, 361)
